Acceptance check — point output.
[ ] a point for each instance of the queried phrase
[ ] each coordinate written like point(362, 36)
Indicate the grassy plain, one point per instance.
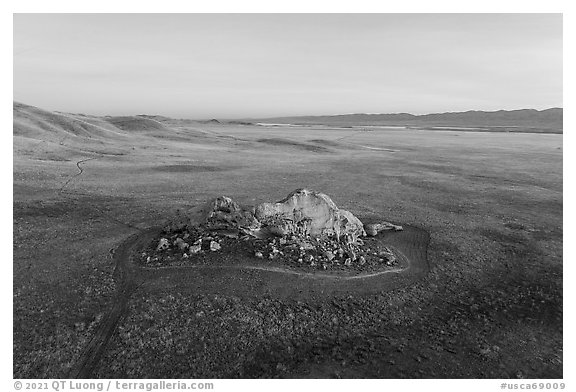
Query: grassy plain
point(491, 305)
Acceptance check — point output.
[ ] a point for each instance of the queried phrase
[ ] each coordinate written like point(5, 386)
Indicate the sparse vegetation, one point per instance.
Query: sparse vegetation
point(491, 305)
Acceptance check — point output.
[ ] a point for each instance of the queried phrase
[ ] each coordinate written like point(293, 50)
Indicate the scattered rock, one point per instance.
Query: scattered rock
point(195, 249)
point(214, 246)
point(163, 244)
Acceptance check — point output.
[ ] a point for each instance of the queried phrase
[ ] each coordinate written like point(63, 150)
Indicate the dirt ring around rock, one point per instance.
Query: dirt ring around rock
point(251, 277)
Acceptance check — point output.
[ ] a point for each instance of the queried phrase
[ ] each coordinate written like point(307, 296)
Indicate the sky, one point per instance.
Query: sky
point(267, 65)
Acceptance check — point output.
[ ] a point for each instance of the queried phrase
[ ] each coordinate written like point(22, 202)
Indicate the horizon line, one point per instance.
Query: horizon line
point(307, 115)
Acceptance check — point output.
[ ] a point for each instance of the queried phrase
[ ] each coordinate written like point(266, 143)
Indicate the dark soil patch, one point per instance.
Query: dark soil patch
point(52, 159)
point(190, 168)
point(515, 226)
point(325, 142)
point(135, 124)
point(177, 138)
point(52, 209)
point(453, 208)
point(297, 145)
point(504, 238)
point(429, 186)
point(536, 233)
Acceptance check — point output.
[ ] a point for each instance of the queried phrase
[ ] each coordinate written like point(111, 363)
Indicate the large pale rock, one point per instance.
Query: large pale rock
point(308, 212)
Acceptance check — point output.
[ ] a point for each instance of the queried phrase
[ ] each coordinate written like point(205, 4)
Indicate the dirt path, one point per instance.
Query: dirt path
point(80, 171)
point(410, 245)
point(126, 283)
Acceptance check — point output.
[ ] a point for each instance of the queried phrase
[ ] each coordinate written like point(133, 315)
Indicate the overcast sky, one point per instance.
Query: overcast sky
point(263, 65)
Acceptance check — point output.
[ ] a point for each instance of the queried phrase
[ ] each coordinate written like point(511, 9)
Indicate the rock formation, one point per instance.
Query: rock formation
point(223, 213)
point(302, 213)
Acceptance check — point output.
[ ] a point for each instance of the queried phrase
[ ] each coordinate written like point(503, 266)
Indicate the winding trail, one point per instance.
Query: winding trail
point(80, 171)
point(104, 214)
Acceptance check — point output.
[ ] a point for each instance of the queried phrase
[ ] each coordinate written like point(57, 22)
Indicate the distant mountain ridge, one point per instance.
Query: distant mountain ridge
point(548, 119)
point(30, 120)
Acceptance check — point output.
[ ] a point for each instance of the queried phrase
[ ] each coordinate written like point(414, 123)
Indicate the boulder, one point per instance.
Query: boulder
point(223, 213)
point(305, 212)
point(219, 214)
point(373, 229)
point(214, 246)
point(195, 249)
point(163, 244)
